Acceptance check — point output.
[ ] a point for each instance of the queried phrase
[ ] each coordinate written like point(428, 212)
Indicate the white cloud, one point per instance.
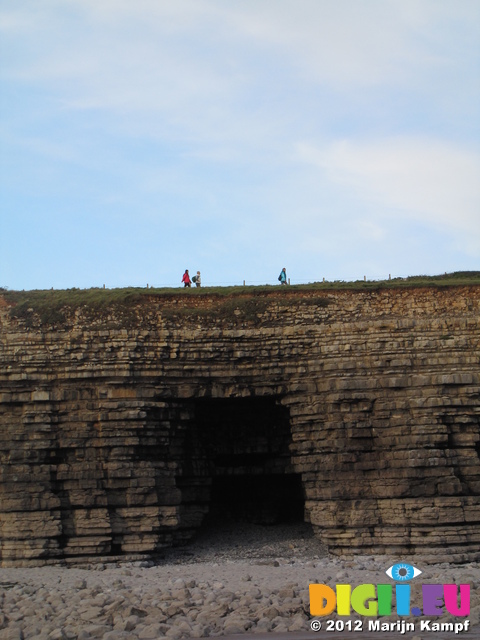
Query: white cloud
point(347, 43)
point(428, 180)
point(152, 53)
point(208, 74)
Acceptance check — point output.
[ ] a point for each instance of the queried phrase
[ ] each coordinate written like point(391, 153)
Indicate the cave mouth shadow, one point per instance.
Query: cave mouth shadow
point(266, 499)
point(237, 463)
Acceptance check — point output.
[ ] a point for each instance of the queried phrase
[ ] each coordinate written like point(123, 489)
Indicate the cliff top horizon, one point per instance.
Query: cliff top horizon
point(446, 279)
point(54, 306)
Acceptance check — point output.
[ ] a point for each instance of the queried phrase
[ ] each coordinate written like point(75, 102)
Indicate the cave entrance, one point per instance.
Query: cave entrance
point(239, 462)
point(259, 499)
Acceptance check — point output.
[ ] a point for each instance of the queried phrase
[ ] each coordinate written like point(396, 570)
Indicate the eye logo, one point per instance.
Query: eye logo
point(402, 572)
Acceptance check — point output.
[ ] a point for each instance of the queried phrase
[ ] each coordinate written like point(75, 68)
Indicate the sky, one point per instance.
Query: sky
point(336, 138)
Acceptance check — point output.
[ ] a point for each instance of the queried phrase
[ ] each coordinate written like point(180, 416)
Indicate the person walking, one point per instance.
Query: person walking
point(197, 280)
point(283, 276)
point(186, 279)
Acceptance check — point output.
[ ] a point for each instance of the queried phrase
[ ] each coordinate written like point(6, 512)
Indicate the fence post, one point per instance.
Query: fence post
point(364, 278)
point(244, 283)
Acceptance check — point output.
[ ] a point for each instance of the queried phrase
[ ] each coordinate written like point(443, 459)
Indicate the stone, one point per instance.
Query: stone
point(153, 631)
point(234, 625)
point(130, 623)
point(298, 623)
point(94, 631)
point(11, 633)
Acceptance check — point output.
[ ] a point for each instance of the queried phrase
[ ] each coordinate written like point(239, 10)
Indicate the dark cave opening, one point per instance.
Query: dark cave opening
point(238, 462)
point(259, 499)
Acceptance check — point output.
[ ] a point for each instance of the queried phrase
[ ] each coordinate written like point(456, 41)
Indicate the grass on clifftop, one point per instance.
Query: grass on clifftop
point(52, 305)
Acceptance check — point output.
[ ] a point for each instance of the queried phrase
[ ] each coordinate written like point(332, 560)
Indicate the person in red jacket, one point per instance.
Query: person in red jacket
point(186, 279)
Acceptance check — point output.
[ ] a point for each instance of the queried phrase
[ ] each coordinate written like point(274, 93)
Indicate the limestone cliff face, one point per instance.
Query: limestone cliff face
point(117, 430)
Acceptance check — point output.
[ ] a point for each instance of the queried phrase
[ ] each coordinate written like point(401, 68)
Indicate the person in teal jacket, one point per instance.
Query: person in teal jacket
point(283, 276)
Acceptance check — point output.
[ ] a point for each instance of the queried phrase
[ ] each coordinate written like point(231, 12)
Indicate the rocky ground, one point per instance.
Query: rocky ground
point(239, 579)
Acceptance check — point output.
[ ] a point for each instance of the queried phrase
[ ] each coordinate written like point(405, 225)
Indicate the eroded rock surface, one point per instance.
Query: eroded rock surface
point(119, 434)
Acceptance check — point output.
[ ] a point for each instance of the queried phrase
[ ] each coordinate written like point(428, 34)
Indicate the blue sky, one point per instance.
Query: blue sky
point(337, 138)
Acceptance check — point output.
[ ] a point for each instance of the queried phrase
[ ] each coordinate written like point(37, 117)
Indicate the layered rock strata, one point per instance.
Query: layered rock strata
point(116, 429)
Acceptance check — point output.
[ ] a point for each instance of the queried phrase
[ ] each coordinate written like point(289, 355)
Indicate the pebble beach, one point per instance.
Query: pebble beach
point(240, 579)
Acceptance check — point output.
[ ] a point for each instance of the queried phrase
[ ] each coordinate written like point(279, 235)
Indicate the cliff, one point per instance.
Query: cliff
point(122, 428)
